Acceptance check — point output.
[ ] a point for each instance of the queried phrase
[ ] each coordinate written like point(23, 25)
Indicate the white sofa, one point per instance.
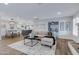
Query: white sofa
point(47, 41)
point(41, 34)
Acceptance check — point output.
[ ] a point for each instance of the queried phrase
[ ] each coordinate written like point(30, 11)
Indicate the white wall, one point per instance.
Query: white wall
point(75, 24)
point(75, 27)
point(45, 21)
point(41, 25)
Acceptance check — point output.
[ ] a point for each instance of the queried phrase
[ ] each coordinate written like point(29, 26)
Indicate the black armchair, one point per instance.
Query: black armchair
point(25, 34)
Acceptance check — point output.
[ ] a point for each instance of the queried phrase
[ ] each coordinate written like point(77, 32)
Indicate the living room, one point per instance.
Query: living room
point(39, 29)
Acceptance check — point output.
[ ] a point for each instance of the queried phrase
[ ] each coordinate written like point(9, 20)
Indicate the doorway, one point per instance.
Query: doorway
point(54, 28)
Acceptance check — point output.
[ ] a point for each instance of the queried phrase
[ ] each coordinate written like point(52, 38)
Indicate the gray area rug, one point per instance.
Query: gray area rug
point(35, 50)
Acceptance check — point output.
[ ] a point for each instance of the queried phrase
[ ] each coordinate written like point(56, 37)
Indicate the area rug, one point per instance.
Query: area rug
point(35, 50)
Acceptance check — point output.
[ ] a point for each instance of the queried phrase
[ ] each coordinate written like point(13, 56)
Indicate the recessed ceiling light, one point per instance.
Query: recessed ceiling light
point(6, 3)
point(59, 13)
point(36, 18)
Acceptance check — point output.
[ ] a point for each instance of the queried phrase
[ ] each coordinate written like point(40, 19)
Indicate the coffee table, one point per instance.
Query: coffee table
point(32, 42)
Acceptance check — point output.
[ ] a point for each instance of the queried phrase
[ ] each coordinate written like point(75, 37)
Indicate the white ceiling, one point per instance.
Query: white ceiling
point(30, 10)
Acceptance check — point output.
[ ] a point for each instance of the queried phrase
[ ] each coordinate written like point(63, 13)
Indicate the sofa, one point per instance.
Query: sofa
point(47, 41)
point(41, 34)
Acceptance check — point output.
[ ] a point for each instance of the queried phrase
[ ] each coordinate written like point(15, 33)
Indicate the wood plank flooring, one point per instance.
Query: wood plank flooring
point(5, 50)
point(61, 49)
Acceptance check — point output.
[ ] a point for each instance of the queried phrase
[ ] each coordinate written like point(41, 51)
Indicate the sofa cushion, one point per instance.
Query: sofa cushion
point(47, 39)
point(41, 34)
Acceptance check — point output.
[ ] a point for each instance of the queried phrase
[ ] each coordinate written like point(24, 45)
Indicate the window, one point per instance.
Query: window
point(67, 28)
point(61, 26)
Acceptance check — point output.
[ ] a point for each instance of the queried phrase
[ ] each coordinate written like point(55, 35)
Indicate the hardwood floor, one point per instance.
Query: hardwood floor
point(5, 50)
point(61, 49)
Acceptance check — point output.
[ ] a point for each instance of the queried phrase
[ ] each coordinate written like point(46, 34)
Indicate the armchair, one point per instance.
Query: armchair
point(48, 40)
point(25, 34)
point(29, 34)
